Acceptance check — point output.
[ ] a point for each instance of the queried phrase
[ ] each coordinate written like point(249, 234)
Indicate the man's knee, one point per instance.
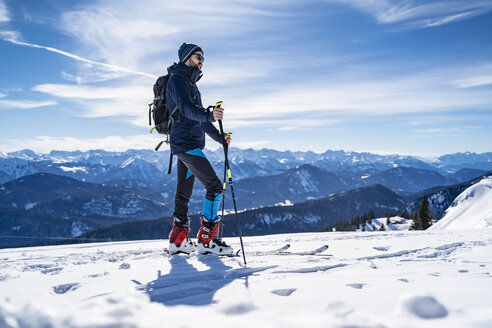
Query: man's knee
point(181, 198)
point(214, 188)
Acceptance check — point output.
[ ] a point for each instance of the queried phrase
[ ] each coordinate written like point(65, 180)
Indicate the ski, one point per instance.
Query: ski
point(271, 252)
point(236, 254)
point(312, 252)
point(279, 251)
point(283, 251)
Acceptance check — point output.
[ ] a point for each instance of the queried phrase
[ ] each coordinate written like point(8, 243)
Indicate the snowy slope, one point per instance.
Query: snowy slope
point(365, 279)
point(472, 209)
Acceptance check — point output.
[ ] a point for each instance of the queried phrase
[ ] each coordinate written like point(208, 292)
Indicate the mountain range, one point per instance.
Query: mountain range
point(276, 191)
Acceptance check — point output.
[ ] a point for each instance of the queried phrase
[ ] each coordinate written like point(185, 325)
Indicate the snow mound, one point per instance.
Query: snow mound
point(472, 209)
point(423, 307)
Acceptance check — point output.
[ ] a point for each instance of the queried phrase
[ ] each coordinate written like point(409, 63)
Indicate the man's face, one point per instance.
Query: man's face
point(196, 60)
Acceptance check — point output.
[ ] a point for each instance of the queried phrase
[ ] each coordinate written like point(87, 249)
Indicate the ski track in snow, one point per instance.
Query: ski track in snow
point(365, 279)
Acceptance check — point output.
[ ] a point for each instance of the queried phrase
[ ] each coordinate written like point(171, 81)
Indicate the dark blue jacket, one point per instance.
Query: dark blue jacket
point(191, 120)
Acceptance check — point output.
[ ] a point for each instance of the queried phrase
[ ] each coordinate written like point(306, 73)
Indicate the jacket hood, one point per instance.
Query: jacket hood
point(193, 74)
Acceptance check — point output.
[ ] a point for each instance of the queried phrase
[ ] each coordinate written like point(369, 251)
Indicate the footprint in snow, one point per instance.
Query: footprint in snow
point(97, 275)
point(463, 271)
point(424, 307)
point(339, 309)
point(356, 286)
point(284, 292)
point(403, 279)
point(64, 288)
point(125, 266)
point(382, 249)
point(37, 267)
point(52, 271)
point(239, 309)
point(7, 277)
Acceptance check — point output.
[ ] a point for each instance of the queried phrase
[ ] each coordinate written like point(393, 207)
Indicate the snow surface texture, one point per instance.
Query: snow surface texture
point(365, 279)
point(472, 209)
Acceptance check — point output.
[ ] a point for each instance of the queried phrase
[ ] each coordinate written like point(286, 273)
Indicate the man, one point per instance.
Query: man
point(187, 138)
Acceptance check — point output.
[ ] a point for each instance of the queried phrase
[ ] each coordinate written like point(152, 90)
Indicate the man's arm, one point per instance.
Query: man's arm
point(180, 92)
point(212, 131)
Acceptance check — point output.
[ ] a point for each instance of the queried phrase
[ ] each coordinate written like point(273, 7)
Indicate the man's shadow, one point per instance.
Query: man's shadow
point(185, 285)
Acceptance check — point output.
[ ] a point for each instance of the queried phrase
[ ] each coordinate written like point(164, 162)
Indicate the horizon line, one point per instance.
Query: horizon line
point(428, 156)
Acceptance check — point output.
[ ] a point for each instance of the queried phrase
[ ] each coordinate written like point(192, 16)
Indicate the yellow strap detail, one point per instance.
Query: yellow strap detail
point(229, 174)
point(152, 129)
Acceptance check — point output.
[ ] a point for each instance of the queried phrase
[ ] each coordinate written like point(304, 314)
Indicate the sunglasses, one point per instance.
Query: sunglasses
point(200, 57)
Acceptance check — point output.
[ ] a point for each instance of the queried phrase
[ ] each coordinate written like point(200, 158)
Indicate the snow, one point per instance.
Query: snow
point(286, 203)
point(425, 307)
point(78, 228)
point(365, 279)
point(73, 169)
point(127, 162)
point(99, 206)
point(303, 179)
point(472, 209)
point(396, 223)
point(30, 205)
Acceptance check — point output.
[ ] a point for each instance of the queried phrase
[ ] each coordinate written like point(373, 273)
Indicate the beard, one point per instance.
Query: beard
point(193, 64)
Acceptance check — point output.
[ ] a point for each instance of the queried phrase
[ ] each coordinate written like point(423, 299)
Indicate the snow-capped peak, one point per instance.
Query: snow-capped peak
point(472, 209)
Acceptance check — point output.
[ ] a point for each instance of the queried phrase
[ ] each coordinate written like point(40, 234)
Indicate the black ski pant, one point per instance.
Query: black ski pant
point(193, 164)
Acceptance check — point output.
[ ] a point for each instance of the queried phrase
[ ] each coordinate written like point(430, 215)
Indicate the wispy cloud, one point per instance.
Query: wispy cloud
point(93, 101)
point(474, 81)
point(438, 130)
point(254, 144)
point(45, 144)
point(25, 104)
point(424, 91)
point(420, 13)
point(321, 102)
point(4, 14)
point(115, 34)
point(91, 92)
point(13, 37)
point(443, 131)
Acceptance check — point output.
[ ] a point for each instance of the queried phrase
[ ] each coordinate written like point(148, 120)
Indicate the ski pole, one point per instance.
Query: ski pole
point(224, 143)
point(222, 224)
point(223, 202)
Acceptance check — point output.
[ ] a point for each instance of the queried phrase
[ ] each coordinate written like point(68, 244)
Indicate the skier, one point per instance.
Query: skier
point(187, 139)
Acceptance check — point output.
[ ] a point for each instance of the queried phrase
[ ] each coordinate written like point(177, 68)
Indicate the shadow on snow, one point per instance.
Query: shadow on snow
point(185, 285)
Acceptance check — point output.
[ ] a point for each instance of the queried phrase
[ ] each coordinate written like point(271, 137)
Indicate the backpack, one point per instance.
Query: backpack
point(158, 110)
point(159, 113)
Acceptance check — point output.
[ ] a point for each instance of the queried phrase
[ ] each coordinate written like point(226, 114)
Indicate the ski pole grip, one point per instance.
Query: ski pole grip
point(217, 105)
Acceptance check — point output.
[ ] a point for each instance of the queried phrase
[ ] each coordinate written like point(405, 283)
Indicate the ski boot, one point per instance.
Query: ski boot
point(178, 238)
point(208, 242)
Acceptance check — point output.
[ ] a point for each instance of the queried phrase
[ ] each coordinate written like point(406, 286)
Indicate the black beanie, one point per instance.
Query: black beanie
point(186, 50)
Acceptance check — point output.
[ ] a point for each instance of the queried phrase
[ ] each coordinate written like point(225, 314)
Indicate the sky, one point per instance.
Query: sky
point(388, 77)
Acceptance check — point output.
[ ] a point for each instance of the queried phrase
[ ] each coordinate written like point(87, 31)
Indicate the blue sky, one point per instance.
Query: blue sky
point(406, 77)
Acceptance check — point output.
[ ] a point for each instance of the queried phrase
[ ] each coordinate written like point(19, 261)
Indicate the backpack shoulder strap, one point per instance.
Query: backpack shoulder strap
point(188, 81)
